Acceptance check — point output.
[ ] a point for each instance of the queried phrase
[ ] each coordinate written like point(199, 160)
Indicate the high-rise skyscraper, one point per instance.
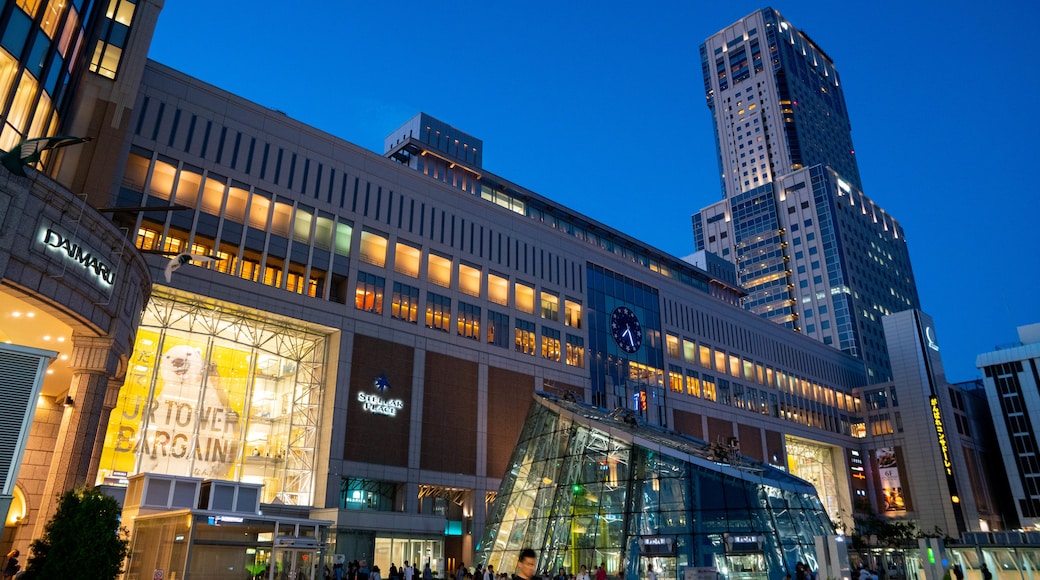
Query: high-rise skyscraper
point(812, 251)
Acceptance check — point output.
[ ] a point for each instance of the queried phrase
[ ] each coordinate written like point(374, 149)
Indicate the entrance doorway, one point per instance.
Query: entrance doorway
point(294, 564)
point(664, 567)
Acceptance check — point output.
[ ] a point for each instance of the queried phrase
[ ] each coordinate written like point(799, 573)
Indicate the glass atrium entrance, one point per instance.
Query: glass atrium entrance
point(589, 487)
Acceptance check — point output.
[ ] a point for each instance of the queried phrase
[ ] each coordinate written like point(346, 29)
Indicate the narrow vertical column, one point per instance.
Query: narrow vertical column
point(92, 363)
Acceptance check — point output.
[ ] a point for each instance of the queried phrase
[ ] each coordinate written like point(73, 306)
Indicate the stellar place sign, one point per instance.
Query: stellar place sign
point(69, 248)
point(378, 405)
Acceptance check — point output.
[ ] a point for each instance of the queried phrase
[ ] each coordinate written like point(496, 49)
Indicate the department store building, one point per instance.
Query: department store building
point(373, 329)
point(369, 334)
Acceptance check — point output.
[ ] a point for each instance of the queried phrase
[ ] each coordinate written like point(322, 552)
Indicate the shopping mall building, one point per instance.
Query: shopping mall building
point(365, 343)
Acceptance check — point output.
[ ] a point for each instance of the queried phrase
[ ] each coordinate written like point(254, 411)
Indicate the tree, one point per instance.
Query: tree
point(83, 540)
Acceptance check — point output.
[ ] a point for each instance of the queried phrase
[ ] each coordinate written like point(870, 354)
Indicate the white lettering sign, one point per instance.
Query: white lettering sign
point(76, 252)
point(929, 336)
point(379, 405)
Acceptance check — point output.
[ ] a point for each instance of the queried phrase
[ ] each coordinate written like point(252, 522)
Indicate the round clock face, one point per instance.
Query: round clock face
point(624, 327)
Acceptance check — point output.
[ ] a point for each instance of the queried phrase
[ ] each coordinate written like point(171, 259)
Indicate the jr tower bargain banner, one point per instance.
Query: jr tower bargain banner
point(178, 412)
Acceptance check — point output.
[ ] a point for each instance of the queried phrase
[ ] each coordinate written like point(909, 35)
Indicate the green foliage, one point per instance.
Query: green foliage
point(83, 540)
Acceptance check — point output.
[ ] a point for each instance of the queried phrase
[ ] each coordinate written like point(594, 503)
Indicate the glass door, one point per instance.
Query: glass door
point(289, 564)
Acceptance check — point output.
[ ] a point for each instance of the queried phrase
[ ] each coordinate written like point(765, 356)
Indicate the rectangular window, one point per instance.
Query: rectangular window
point(572, 313)
point(693, 383)
point(705, 354)
point(524, 298)
point(373, 248)
point(469, 280)
point(498, 289)
point(575, 351)
point(550, 343)
point(675, 379)
point(343, 233)
point(689, 351)
point(438, 312)
point(498, 329)
point(439, 270)
point(525, 339)
point(469, 321)
point(369, 293)
point(720, 361)
point(550, 306)
point(406, 303)
point(406, 260)
point(672, 344)
point(708, 387)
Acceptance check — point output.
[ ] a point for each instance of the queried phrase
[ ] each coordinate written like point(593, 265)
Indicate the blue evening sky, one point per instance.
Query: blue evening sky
point(600, 107)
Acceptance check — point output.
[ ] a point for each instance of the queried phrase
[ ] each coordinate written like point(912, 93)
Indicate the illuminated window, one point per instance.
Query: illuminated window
point(259, 210)
point(550, 306)
point(438, 312)
point(373, 248)
point(109, 48)
point(213, 195)
point(469, 321)
point(147, 238)
point(734, 366)
point(749, 370)
point(672, 344)
point(273, 275)
point(162, 180)
point(498, 289)
point(369, 293)
point(343, 233)
point(438, 270)
point(572, 313)
point(675, 379)
point(705, 355)
point(323, 225)
point(469, 280)
point(708, 387)
point(525, 339)
point(720, 361)
point(575, 351)
point(689, 351)
point(550, 343)
point(302, 228)
point(406, 260)
point(188, 185)
point(237, 198)
point(281, 219)
point(524, 298)
point(693, 383)
point(405, 304)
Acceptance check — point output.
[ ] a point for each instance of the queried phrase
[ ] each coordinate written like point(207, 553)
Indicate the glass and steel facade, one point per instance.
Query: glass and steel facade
point(217, 391)
point(585, 487)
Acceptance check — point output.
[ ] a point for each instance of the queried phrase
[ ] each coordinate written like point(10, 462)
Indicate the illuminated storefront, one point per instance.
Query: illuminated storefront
point(822, 466)
point(589, 488)
point(220, 392)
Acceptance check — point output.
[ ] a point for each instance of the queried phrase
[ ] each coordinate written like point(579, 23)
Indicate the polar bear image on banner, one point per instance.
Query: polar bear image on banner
point(192, 429)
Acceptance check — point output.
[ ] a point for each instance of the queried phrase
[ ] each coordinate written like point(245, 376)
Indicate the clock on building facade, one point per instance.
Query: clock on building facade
point(625, 328)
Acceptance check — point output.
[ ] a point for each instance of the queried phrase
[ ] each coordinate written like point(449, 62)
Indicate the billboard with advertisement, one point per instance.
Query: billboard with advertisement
point(210, 393)
point(893, 496)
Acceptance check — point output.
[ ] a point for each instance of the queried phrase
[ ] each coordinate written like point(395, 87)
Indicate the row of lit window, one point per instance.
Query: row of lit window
point(702, 385)
point(276, 272)
point(739, 367)
point(405, 306)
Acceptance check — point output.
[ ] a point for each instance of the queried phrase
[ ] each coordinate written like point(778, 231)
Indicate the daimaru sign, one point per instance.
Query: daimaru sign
point(75, 252)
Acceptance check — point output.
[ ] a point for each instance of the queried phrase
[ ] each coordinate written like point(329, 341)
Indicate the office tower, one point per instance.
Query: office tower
point(812, 251)
point(1013, 391)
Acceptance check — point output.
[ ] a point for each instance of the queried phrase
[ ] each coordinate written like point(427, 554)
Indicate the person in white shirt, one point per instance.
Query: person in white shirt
point(650, 574)
point(409, 572)
point(583, 574)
